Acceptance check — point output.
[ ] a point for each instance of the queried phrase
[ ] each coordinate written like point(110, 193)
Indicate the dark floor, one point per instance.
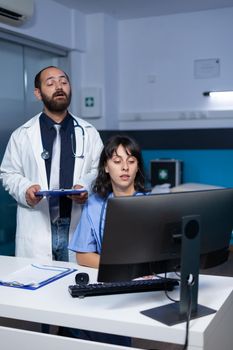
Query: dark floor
point(225, 269)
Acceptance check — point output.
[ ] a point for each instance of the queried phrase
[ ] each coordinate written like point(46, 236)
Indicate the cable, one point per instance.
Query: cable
point(166, 291)
point(189, 311)
point(170, 298)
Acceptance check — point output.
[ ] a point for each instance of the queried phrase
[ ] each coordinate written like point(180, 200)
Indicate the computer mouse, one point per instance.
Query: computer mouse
point(82, 278)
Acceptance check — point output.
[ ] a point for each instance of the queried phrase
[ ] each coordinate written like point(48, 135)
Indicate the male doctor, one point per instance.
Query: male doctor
point(26, 169)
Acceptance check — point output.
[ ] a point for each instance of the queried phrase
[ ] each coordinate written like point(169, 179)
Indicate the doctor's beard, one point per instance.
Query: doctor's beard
point(54, 105)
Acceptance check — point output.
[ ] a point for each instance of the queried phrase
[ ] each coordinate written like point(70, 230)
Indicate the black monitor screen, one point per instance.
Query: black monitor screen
point(143, 234)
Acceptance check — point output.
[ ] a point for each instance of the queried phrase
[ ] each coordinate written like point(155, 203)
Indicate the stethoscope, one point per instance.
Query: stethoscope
point(102, 216)
point(45, 154)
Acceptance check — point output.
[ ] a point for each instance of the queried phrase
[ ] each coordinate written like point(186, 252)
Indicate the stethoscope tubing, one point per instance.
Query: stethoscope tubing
point(45, 154)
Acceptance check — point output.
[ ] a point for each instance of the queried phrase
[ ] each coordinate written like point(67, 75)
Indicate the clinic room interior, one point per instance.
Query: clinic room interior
point(159, 71)
point(150, 67)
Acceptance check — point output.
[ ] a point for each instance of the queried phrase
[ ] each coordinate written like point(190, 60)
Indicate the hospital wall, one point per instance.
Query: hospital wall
point(144, 67)
point(145, 70)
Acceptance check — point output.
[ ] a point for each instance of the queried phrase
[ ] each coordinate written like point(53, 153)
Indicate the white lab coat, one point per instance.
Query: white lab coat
point(23, 166)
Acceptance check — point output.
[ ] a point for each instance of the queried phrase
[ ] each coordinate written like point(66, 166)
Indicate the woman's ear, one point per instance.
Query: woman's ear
point(106, 169)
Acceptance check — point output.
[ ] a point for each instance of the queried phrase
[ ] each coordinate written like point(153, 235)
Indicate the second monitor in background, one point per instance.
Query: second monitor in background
point(166, 171)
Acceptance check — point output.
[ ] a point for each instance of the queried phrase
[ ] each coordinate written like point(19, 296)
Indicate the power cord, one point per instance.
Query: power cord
point(166, 291)
point(189, 311)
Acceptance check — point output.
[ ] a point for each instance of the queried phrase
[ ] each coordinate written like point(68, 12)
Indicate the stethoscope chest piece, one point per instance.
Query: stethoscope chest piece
point(45, 154)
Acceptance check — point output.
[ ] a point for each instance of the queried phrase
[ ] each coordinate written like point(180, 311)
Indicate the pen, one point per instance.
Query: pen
point(16, 284)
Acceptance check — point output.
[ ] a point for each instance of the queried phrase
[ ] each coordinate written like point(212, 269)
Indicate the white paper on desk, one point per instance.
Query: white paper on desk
point(33, 274)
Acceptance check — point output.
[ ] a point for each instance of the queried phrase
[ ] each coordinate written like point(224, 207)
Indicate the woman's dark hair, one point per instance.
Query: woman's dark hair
point(103, 185)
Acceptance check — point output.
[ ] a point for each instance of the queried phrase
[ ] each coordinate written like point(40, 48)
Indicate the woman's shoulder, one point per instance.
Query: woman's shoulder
point(94, 207)
point(95, 200)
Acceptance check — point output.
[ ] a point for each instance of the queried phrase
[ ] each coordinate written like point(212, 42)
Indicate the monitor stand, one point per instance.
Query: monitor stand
point(177, 312)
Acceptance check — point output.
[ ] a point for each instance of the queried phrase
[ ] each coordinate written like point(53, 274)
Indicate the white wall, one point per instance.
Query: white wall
point(156, 60)
point(143, 66)
point(54, 24)
point(58, 26)
point(100, 66)
point(93, 52)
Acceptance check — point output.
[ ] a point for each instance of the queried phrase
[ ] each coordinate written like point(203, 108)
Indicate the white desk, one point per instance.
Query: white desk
point(117, 314)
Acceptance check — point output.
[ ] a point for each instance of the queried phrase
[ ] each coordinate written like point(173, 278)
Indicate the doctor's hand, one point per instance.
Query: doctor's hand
point(31, 199)
point(79, 198)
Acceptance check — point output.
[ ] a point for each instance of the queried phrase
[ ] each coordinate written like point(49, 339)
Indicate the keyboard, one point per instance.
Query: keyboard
point(134, 286)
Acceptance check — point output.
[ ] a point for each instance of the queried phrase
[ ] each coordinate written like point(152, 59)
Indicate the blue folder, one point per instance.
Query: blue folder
point(60, 192)
point(35, 276)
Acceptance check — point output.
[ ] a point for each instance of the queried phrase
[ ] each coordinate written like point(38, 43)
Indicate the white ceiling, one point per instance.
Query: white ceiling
point(126, 9)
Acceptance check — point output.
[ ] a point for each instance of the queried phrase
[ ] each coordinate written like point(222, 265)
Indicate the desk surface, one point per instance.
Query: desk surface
point(117, 314)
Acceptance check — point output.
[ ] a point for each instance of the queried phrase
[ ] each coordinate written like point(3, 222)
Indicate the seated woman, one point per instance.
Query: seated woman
point(120, 173)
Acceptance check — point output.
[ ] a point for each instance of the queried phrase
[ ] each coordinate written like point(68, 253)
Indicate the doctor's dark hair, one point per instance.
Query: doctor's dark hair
point(37, 81)
point(102, 185)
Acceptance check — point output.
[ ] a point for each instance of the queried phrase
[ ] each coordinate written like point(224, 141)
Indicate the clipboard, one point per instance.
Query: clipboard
point(35, 276)
point(60, 192)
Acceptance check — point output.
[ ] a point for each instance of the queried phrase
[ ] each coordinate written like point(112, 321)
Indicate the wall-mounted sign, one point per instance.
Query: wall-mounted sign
point(207, 68)
point(91, 103)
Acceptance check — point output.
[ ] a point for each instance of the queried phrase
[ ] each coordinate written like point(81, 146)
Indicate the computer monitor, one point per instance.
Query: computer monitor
point(161, 232)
